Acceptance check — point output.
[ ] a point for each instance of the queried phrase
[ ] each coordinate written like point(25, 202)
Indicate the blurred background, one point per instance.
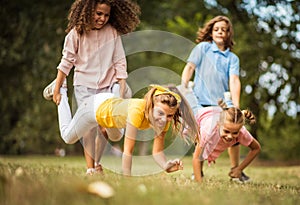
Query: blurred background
point(267, 37)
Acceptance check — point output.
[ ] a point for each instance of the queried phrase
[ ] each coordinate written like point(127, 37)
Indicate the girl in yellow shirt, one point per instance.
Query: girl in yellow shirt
point(157, 110)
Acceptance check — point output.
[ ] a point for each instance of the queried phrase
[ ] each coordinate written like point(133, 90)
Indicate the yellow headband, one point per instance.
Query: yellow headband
point(160, 90)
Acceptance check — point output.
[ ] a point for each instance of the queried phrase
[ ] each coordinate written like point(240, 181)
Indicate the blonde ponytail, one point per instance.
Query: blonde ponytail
point(222, 104)
point(235, 115)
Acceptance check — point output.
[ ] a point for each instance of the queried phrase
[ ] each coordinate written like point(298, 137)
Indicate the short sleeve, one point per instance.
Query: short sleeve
point(245, 138)
point(234, 68)
point(135, 117)
point(195, 55)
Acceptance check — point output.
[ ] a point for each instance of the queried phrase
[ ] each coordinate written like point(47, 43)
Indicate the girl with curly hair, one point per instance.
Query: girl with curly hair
point(93, 46)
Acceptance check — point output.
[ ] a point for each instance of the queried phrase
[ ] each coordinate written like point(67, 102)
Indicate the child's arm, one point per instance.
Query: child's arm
point(120, 65)
point(160, 158)
point(197, 165)
point(122, 83)
point(187, 74)
point(129, 142)
point(61, 76)
point(255, 149)
point(235, 89)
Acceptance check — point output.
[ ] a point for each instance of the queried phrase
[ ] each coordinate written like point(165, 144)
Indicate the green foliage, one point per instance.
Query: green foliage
point(31, 45)
point(280, 144)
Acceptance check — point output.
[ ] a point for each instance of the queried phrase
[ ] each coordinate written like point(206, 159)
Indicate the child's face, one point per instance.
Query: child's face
point(101, 15)
point(162, 114)
point(219, 34)
point(229, 131)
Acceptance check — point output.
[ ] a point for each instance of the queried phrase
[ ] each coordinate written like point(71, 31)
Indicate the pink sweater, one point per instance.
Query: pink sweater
point(210, 141)
point(98, 57)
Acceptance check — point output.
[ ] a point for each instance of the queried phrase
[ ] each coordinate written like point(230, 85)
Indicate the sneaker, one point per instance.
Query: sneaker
point(98, 169)
point(90, 171)
point(243, 179)
point(48, 91)
point(237, 180)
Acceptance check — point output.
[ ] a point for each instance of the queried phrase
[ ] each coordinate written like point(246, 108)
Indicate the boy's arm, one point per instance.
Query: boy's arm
point(235, 89)
point(187, 74)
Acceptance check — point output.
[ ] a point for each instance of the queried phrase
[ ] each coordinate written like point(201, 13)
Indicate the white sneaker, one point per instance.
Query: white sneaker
point(90, 171)
point(48, 91)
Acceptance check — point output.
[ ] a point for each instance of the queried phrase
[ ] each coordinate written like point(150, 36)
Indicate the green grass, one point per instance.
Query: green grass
point(53, 180)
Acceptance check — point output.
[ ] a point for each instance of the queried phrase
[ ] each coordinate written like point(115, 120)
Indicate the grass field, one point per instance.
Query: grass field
point(48, 180)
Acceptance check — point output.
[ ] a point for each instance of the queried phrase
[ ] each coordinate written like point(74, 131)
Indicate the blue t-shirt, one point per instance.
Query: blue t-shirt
point(213, 68)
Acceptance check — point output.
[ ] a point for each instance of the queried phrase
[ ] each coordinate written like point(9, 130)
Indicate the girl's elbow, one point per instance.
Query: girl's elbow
point(255, 146)
point(257, 150)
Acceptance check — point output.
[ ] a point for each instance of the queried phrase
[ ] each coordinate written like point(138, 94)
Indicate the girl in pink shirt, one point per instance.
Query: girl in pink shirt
point(93, 47)
point(220, 128)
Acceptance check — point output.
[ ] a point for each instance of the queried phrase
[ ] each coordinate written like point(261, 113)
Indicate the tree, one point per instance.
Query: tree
point(267, 42)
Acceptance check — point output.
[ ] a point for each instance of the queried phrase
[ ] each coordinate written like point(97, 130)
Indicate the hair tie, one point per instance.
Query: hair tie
point(160, 90)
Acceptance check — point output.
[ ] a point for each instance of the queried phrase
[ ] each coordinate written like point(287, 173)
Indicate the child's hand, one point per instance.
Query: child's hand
point(186, 89)
point(235, 172)
point(173, 165)
point(56, 98)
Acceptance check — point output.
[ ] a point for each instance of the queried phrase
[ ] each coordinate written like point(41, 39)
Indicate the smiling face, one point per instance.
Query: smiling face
point(101, 16)
point(161, 115)
point(229, 131)
point(220, 34)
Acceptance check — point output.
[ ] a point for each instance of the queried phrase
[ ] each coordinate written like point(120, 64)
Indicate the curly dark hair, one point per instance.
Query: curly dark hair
point(204, 34)
point(124, 15)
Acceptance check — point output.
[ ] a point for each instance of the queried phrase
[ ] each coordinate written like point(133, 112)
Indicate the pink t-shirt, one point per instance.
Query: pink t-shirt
point(210, 140)
point(98, 57)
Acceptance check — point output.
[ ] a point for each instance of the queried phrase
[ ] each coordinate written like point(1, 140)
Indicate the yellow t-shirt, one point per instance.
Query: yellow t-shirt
point(116, 112)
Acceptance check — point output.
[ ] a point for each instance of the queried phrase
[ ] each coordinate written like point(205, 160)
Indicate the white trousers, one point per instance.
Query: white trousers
point(72, 129)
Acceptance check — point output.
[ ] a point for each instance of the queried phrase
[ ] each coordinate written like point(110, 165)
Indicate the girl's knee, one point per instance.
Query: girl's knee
point(68, 140)
point(115, 138)
point(115, 134)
